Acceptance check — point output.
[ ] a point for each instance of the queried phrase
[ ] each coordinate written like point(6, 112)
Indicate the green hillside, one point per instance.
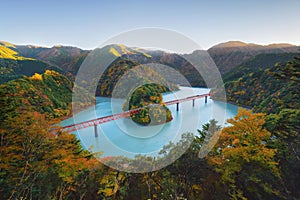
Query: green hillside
point(118, 68)
point(64, 57)
point(263, 90)
point(14, 66)
point(256, 63)
point(274, 91)
point(11, 69)
point(48, 93)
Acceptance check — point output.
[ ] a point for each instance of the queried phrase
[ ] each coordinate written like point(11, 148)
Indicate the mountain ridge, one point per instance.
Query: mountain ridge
point(226, 56)
point(237, 43)
point(233, 53)
point(229, 43)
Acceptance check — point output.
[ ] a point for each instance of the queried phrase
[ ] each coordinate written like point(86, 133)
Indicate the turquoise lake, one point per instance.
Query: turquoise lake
point(123, 137)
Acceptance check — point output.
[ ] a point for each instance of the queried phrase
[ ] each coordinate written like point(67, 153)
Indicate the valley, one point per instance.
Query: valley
point(251, 153)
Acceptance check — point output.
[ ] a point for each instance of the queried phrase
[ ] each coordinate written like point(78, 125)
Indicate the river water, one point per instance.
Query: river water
point(123, 137)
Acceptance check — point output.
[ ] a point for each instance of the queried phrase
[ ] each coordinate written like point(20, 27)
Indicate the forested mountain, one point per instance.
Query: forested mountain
point(275, 90)
point(179, 63)
point(255, 84)
point(7, 53)
point(175, 61)
point(227, 56)
point(67, 58)
point(49, 93)
point(263, 92)
point(257, 63)
point(14, 66)
point(120, 67)
point(231, 54)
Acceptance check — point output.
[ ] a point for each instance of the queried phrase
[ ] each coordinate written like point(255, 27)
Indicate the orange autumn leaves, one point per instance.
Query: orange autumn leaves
point(243, 143)
point(29, 152)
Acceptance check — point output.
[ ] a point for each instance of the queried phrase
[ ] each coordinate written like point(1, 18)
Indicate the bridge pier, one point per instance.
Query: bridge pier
point(177, 106)
point(193, 102)
point(95, 130)
point(205, 99)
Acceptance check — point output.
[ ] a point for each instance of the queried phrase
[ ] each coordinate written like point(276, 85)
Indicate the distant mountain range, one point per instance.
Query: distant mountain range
point(245, 69)
point(226, 55)
point(66, 58)
point(234, 59)
point(231, 54)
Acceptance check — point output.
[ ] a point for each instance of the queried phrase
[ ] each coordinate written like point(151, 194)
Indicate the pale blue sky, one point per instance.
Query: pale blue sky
point(87, 23)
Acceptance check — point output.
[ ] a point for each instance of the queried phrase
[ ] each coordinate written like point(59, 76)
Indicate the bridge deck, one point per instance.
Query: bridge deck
point(125, 114)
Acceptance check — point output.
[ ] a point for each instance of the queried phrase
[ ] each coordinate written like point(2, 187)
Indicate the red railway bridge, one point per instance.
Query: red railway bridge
point(101, 120)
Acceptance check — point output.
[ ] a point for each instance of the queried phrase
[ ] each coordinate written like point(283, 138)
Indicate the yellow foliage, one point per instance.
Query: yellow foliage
point(123, 49)
point(235, 141)
point(36, 76)
point(114, 52)
point(108, 191)
point(11, 54)
point(7, 44)
point(147, 55)
point(51, 72)
point(48, 72)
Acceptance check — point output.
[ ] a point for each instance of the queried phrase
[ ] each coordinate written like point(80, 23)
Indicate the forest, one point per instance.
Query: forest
point(149, 97)
point(256, 157)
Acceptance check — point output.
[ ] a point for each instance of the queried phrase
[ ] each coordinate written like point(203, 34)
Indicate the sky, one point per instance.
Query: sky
point(88, 23)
